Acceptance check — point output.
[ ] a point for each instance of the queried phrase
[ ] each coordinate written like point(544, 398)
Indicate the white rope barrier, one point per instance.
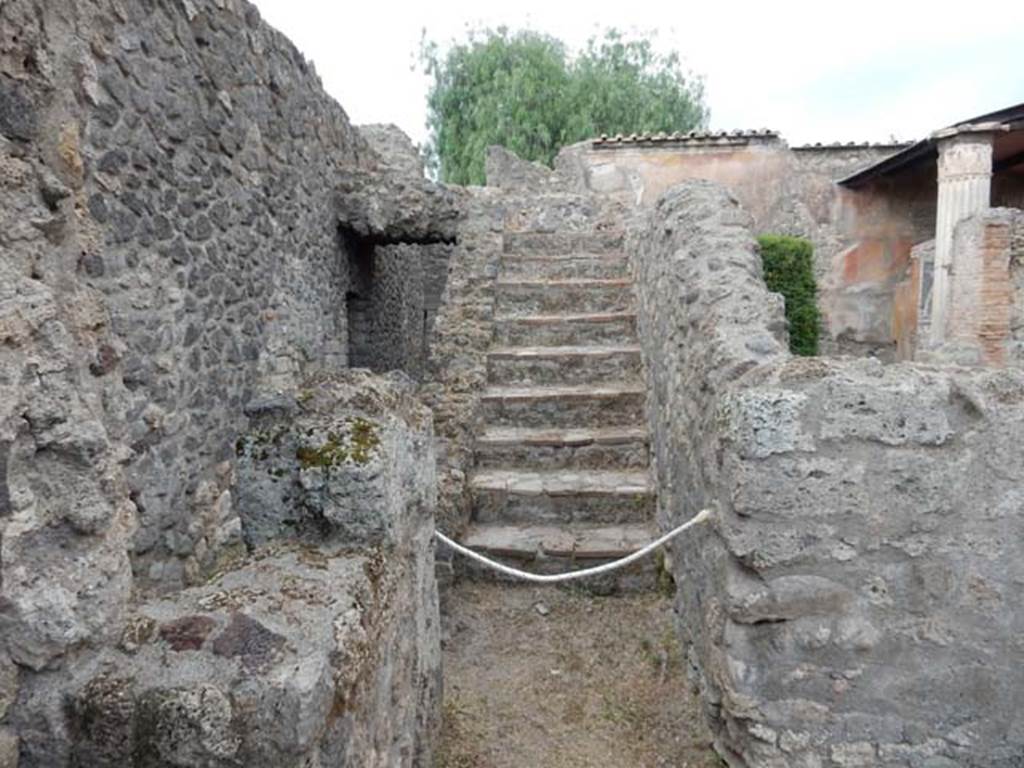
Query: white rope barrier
point(540, 578)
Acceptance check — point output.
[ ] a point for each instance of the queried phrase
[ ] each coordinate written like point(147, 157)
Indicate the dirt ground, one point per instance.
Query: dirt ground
point(545, 677)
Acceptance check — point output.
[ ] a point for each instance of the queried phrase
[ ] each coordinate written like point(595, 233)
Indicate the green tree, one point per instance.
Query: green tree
point(524, 91)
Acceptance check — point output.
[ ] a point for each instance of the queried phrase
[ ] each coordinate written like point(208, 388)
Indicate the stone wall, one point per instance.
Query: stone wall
point(462, 334)
point(397, 272)
point(853, 602)
point(180, 208)
point(174, 176)
point(320, 650)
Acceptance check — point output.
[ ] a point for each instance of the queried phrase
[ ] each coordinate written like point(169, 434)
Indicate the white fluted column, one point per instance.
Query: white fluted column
point(965, 187)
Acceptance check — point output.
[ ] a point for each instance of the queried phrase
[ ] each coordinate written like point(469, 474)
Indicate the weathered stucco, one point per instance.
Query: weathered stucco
point(854, 602)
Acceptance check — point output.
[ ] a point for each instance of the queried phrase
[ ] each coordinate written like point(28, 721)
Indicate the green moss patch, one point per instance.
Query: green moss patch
point(356, 445)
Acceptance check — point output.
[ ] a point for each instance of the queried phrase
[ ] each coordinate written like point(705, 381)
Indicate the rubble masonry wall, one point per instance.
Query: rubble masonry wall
point(175, 255)
point(853, 602)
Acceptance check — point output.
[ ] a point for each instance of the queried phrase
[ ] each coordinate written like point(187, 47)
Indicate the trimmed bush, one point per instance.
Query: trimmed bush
point(789, 270)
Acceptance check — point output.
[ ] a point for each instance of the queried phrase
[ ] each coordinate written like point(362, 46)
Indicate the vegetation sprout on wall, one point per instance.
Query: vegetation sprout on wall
point(789, 270)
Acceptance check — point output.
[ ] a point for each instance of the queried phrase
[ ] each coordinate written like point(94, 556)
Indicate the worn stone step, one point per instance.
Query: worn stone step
point(545, 448)
point(600, 328)
point(578, 542)
point(565, 266)
point(545, 549)
point(585, 405)
point(562, 496)
point(539, 297)
point(563, 365)
point(553, 243)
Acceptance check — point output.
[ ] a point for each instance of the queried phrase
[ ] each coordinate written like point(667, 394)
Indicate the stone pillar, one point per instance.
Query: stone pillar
point(965, 182)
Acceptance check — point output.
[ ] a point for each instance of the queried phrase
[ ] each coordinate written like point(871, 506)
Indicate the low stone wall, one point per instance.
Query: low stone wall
point(320, 649)
point(853, 602)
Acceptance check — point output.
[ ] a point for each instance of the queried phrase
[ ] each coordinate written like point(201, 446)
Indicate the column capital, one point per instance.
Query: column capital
point(965, 151)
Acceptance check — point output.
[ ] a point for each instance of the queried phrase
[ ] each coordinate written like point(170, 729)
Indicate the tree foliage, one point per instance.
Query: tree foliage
point(789, 270)
point(524, 91)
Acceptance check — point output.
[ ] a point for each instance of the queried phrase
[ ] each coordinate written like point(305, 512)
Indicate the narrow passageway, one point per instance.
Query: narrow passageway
point(549, 677)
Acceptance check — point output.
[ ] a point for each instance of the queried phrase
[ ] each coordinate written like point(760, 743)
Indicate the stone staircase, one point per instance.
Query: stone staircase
point(561, 478)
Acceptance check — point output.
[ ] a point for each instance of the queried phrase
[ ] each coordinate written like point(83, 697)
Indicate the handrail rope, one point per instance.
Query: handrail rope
point(542, 578)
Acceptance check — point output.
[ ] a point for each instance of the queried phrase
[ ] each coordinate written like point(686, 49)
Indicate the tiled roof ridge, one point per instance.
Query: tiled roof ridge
point(679, 136)
point(855, 145)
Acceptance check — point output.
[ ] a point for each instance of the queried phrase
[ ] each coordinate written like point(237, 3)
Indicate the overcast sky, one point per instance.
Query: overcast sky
point(816, 71)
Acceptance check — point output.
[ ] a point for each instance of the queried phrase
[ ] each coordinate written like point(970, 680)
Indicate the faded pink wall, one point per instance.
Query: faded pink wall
point(862, 239)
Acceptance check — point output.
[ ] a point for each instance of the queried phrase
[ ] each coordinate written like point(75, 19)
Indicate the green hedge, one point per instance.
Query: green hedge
point(789, 270)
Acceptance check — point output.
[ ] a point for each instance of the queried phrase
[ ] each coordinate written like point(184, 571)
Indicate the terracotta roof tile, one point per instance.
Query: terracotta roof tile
point(695, 137)
point(856, 145)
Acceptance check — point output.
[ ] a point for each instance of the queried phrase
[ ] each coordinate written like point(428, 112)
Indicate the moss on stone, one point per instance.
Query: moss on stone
point(357, 447)
point(330, 454)
point(364, 440)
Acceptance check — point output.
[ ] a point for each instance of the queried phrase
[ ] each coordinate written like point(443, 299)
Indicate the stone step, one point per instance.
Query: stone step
point(578, 542)
point(561, 496)
point(552, 243)
point(565, 266)
point(604, 328)
point(546, 549)
point(539, 297)
point(543, 448)
point(585, 405)
point(563, 365)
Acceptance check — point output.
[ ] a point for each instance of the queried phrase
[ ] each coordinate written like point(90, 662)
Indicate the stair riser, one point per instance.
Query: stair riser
point(564, 268)
point(641, 576)
point(617, 331)
point(557, 243)
point(505, 507)
point(521, 300)
point(625, 409)
point(624, 456)
point(571, 369)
